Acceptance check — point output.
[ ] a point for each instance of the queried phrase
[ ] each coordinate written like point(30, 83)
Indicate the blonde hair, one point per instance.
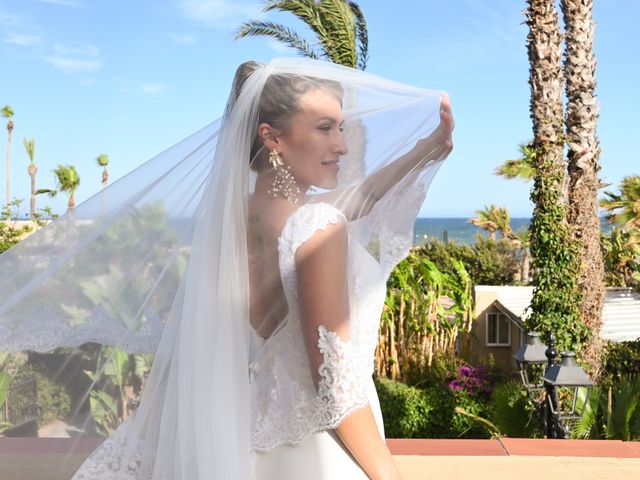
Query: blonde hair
point(279, 101)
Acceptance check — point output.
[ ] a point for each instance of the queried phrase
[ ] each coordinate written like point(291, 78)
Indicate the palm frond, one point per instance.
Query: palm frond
point(7, 111)
point(29, 145)
point(67, 178)
point(340, 42)
point(519, 168)
point(363, 35)
point(493, 430)
point(280, 33)
point(102, 160)
point(589, 425)
point(306, 10)
point(47, 191)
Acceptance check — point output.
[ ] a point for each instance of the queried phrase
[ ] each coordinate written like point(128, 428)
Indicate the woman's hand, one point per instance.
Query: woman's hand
point(439, 144)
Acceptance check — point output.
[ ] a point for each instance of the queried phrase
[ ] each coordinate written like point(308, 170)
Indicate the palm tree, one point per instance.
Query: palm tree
point(521, 168)
point(7, 112)
point(584, 165)
point(556, 299)
point(493, 219)
point(621, 253)
point(103, 160)
point(339, 26)
point(67, 180)
point(503, 220)
point(521, 241)
point(624, 208)
point(30, 145)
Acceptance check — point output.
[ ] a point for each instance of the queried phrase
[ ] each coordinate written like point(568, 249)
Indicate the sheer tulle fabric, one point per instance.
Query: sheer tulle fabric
point(157, 262)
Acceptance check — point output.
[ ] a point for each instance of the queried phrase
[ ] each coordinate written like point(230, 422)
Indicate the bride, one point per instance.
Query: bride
point(264, 347)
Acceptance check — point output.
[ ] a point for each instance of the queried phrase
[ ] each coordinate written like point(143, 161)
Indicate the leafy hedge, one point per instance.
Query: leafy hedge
point(53, 401)
point(621, 359)
point(433, 409)
point(489, 262)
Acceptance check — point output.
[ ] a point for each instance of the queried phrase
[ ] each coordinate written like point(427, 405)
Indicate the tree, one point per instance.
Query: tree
point(624, 207)
point(556, 298)
point(583, 167)
point(30, 145)
point(521, 168)
point(103, 160)
point(339, 26)
point(522, 240)
point(493, 219)
point(622, 246)
point(67, 180)
point(7, 112)
point(621, 254)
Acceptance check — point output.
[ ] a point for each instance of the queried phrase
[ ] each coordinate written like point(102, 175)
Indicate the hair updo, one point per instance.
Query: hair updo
point(279, 100)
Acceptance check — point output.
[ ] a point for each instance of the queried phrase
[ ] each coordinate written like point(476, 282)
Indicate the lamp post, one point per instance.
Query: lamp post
point(557, 380)
point(531, 353)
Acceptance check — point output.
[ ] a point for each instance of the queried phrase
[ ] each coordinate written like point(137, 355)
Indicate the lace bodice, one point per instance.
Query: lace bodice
point(286, 405)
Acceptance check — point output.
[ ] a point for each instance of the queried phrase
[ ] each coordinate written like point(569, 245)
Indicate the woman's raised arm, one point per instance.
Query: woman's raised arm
point(357, 201)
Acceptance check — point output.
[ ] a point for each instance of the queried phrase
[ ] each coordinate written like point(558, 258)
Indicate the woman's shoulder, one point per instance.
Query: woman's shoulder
point(307, 220)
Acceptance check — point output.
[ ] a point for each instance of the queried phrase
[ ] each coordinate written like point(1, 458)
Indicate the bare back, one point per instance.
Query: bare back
point(268, 305)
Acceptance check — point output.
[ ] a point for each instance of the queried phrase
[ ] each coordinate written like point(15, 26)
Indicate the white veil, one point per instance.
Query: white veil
point(157, 262)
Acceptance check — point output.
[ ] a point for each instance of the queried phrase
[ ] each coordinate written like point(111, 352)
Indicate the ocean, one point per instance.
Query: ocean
point(460, 231)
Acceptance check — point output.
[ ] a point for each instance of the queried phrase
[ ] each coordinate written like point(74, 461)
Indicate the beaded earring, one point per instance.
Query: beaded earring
point(283, 182)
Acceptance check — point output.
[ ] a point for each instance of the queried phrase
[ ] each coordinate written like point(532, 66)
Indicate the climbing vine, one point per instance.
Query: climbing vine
point(555, 260)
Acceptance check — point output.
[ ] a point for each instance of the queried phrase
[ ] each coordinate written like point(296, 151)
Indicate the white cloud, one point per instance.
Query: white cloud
point(219, 13)
point(127, 86)
point(22, 39)
point(9, 20)
point(74, 65)
point(153, 87)
point(78, 50)
point(183, 39)
point(75, 59)
point(62, 3)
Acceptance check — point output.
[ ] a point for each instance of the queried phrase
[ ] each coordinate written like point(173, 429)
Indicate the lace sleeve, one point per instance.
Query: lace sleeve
point(337, 362)
point(342, 387)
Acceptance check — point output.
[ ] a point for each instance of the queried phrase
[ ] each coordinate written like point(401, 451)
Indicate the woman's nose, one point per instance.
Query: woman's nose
point(341, 145)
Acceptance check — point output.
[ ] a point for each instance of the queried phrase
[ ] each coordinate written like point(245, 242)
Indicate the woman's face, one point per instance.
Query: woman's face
point(313, 143)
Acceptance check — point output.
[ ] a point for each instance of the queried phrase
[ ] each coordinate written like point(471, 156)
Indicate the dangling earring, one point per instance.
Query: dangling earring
point(283, 182)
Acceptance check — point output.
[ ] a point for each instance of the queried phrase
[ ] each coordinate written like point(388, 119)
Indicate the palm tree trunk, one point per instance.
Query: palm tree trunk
point(526, 266)
point(584, 165)
point(105, 178)
point(33, 169)
point(9, 131)
point(553, 303)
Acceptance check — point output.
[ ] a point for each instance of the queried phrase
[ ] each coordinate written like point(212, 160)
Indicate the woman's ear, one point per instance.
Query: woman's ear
point(268, 136)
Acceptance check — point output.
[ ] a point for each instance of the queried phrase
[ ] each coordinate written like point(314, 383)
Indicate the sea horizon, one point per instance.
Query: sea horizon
point(457, 229)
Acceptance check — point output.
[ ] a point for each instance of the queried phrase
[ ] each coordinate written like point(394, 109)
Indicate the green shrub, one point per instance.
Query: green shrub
point(428, 412)
point(613, 412)
point(513, 412)
point(489, 262)
point(406, 410)
point(53, 402)
point(621, 359)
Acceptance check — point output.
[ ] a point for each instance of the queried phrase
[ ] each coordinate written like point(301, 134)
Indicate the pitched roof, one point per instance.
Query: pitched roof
point(620, 313)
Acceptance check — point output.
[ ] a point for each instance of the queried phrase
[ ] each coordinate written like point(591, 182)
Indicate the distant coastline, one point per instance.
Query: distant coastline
point(460, 231)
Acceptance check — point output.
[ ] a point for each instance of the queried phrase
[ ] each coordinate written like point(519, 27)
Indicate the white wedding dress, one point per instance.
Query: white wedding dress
point(156, 263)
point(292, 422)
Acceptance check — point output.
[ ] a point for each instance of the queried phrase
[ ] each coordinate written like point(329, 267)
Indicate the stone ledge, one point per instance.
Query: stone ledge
point(418, 459)
point(538, 447)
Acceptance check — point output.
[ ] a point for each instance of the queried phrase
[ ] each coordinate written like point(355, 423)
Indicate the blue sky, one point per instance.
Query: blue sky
point(131, 78)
